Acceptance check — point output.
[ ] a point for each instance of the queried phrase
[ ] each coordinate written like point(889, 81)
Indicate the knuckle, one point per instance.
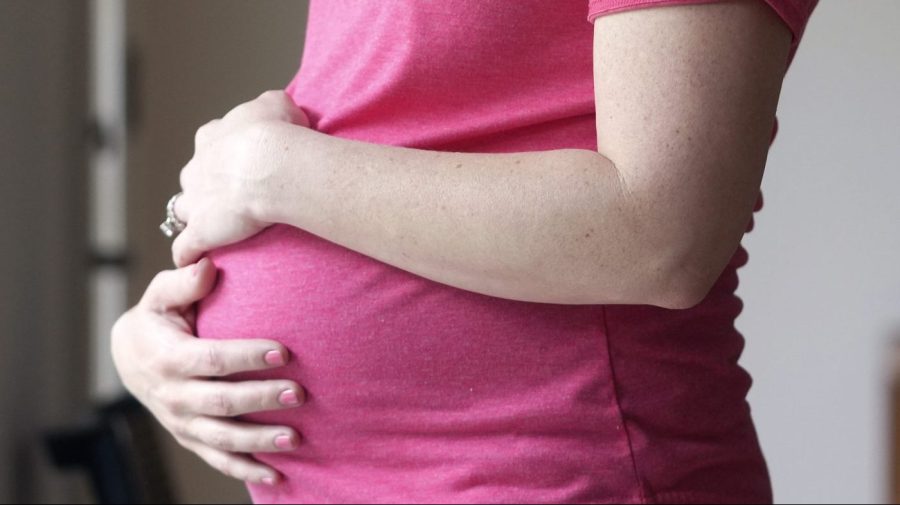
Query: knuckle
point(184, 177)
point(241, 109)
point(117, 329)
point(252, 359)
point(204, 133)
point(163, 365)
point(267, 400)
point(181, 428)
point(213, 361)
point(219, 404)
point(199, 136)
point(118, 339)
point(175, 363)
point(176, 405)
point(167, 398)
point(221, 439)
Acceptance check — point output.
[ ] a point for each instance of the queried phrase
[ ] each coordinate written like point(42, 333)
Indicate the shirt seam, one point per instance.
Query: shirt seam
point(617, 6)
point(615, 390)
point(703, 497)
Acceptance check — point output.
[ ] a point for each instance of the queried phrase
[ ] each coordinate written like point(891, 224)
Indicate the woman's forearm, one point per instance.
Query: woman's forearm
point(550, 227)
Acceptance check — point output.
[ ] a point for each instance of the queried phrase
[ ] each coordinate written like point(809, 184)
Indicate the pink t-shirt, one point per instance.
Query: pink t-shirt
point(421, 392)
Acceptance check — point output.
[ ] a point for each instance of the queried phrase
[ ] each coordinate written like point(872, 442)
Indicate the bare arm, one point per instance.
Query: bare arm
point(686, 98)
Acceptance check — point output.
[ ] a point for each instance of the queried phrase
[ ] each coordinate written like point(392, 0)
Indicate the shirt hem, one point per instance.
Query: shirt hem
point(684, 497)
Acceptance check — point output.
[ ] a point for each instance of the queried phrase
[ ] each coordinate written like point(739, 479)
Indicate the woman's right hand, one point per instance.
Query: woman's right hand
point(174, 374)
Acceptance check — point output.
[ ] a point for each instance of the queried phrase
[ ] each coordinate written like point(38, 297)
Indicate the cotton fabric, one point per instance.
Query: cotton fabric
point(421, 392)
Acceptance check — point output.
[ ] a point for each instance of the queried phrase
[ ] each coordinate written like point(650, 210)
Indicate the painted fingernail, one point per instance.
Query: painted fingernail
point(284, 442)
point(288, 398)
point(275, 358)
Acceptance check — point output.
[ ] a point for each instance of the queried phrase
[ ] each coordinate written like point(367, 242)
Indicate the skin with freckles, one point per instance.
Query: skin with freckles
point(652, 217)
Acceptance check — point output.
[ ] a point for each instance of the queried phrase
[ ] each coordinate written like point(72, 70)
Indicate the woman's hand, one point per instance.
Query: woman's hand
point(173, 374)
point(232, 172)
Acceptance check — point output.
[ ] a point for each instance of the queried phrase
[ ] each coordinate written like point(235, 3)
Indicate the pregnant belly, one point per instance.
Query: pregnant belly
point(418, 391)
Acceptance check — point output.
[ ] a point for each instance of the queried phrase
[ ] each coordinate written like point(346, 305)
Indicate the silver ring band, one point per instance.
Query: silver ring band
point(172, 226)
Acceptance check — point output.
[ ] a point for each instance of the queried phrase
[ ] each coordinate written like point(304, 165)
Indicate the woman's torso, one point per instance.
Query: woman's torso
point(421, 392)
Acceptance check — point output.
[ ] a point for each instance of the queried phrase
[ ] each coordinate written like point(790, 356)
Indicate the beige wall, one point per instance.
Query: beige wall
point(43, 253)
point(196, 60)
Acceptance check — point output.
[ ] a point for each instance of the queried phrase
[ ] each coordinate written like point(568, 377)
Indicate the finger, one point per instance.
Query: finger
point(235, 466)
point(190, 316)
point(270, 105)
point(230, 399)
point(281, 100)
point(207, 132)
point(220, 358)
point(275, 99)
point(188, 247)
point(299, 117)
point(181, 288)
point(234, 436)
point(241, 112)
point(187, 179)
point(183, 206)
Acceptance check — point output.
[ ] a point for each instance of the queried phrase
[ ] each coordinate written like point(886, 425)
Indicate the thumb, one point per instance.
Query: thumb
point(179, 289)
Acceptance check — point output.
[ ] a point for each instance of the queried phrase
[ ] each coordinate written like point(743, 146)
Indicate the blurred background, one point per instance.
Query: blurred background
point(99, 102)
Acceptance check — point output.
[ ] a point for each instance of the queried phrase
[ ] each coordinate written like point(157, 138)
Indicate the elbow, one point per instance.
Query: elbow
point(662, 281)
point(683, 281)
point(683, 296)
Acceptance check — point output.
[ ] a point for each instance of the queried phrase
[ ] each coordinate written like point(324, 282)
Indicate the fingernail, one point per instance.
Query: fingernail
point(284, 442)
point(275, 358)
point(269, 481)
point(288, 398)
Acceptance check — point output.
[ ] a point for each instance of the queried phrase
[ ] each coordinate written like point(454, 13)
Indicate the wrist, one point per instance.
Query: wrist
point(285, 151)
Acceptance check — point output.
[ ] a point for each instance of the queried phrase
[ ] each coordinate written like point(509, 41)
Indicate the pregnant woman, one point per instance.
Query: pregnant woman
point(477, 251)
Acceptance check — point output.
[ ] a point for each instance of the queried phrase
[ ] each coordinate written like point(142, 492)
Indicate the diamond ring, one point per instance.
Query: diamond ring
point(172, 226)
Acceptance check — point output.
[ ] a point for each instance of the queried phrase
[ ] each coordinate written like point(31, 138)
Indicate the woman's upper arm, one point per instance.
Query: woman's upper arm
point(686, 98)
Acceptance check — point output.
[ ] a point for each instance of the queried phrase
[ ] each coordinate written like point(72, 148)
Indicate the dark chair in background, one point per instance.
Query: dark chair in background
point(118, 449)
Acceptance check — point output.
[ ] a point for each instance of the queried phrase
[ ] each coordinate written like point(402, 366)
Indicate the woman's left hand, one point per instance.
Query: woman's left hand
point(235, 165)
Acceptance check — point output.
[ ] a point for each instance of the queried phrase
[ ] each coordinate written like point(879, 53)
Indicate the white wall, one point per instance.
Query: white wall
point(822, 289)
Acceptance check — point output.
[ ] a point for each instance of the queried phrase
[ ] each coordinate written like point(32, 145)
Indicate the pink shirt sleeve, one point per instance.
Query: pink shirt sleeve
point(794, 13)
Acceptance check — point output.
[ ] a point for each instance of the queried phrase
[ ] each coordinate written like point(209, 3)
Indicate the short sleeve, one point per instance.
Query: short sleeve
point(794, 13)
